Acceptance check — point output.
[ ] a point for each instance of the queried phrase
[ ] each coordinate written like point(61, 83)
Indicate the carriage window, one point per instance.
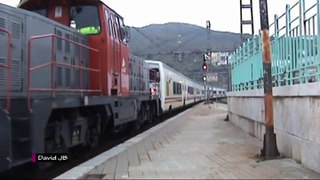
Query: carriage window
point(85, 19)
point(190, 90)
point(176, 88)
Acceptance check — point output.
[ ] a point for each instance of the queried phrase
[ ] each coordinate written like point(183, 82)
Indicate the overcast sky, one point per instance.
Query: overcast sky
point(224, 15)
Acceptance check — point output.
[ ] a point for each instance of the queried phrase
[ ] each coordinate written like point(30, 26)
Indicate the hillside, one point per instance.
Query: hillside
point(182, 46)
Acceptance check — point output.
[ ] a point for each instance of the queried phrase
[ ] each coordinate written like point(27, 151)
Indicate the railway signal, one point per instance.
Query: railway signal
point(206, 57)
point(205, 66)
point(205, 62)
point(204, 78)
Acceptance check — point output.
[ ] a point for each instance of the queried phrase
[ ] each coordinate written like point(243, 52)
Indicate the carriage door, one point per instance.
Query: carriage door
point(184, 93)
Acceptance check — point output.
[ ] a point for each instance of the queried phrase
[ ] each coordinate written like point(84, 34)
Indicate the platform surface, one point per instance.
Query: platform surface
point(197, 144)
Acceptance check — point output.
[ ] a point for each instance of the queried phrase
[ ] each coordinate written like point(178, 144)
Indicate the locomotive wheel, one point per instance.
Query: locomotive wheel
point(150, 115)
point(138, 122)
point(92, 137)
point(51, 146)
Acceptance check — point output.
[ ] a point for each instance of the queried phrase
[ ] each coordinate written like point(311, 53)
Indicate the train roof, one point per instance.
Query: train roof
point(27, 4)
point(166, 66)
point(24, 2)
point(173, 70)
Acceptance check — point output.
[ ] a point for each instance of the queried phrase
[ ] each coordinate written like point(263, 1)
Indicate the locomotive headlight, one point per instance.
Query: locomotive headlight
point(153, 91)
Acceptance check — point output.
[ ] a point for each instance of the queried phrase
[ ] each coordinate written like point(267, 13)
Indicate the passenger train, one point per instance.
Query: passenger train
point(67, 78)
point(175, 89)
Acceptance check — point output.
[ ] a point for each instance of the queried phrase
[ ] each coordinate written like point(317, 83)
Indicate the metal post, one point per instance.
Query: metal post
point(252, 23)
point(318, 32)
point(180, 47)
point(288, 48)
point(269, 150)
point(208, 27)
point(241, 25)
point(246, 22)
point(228, 76)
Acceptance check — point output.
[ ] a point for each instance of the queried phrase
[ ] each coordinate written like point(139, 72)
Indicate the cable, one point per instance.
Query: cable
point(144, 35)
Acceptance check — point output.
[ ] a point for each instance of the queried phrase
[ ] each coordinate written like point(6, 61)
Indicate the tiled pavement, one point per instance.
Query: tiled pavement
point(198, 144)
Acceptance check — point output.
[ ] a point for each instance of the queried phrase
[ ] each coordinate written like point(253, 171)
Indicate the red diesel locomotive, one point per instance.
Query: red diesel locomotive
point(66, 78)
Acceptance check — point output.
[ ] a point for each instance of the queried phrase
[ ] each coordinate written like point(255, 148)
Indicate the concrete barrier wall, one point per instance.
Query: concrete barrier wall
point(296, 119)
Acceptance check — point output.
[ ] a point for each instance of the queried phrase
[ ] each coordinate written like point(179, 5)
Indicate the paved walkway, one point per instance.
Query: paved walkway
point(200, 144)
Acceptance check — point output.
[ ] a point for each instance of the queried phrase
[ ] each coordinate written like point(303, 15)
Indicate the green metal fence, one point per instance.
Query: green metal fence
point(294, 40)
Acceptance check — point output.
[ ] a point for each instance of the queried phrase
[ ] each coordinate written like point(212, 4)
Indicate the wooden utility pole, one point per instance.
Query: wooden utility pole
point(270, 149)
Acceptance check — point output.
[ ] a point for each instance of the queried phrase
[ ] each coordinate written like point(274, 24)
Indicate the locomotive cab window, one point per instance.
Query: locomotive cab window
point(85, 19)
point(42, 12)
point(154, 75)
point(109, 22)
point(122, 31)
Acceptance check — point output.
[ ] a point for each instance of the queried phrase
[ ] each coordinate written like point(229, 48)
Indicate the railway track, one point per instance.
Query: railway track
point(214, 100)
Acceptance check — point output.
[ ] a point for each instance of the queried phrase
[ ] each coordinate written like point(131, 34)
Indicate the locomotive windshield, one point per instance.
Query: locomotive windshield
point(42, 12)
point(85, 19)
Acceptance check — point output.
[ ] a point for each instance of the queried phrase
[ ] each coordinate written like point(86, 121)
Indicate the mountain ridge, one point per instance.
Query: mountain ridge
point(182, 45)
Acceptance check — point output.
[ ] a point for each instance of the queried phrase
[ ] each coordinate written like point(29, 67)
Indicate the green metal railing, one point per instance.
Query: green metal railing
point(294, 46)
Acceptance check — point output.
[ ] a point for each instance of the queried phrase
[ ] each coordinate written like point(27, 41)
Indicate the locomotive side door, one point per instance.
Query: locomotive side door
point(118, 54)
point(115, 55)
point(123, 55)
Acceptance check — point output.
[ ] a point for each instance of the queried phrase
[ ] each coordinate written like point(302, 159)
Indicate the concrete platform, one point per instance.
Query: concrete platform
point(197, 143)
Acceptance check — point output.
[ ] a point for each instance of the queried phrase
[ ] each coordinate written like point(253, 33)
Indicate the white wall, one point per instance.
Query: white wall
point(296, 119)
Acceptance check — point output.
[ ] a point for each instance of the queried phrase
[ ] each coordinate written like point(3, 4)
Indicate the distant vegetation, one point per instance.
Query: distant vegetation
point(173, 42)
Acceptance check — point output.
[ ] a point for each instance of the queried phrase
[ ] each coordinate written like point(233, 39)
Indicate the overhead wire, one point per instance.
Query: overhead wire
point(174, 51)
point(147, 37)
